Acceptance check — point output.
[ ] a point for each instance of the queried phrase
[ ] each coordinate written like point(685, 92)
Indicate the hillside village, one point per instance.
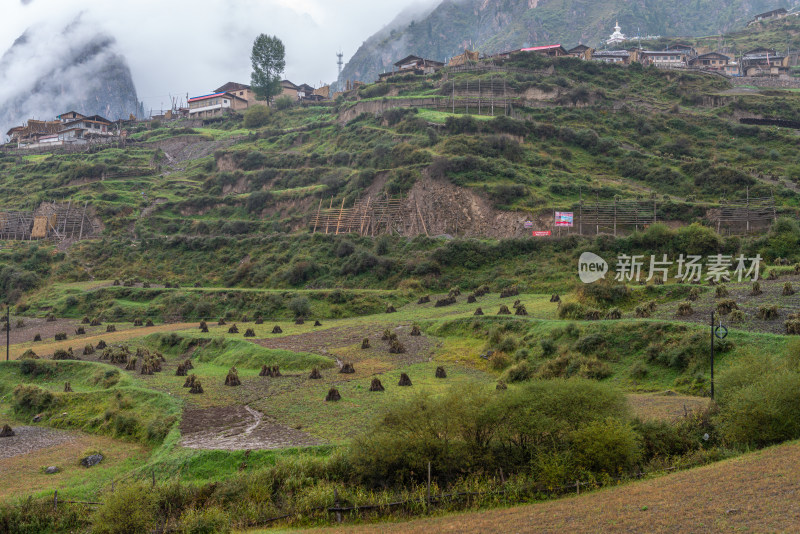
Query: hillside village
point(756, 65)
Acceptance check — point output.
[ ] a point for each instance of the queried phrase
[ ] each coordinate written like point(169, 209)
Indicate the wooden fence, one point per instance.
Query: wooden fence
point(49, 221)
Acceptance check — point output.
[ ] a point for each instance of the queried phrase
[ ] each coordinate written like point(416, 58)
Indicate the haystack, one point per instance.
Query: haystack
point(395, 347)
point(149, 323)
point(504, 310)
point(190, 380)
point(137, 322)
point(347, 369)
point(788, 290)
point(80, 331)
point(61, 336)
point(203, 326)
point(233, 378)
point(315, 374)
point(197, 388)
point(204, 329)
point(555, 298)
point(111, 328)
point(299, 320)
point(365, 343)
point(447, 301)
point(516, 303)
point(415, 331)
point(6, 432)
point(317, 323)
point(501, 385)
point(387, 334)
point(390, 309)
point(512, 291)
point(233, 329)
point(250, 333)
point(471, 299)
point(478, 312)
point(37, 337)
point(67, 387)
point(424, 300)
point(51, 318)
point(181, 370)
point(376, 385)
point(277, 330)
point(440, 372)
point(404, 380)
point(259, 320)
point(276, 371)
point(333, 395)
point(265, 371)
point(221, 322)
point(521, 310)
point(86, 320)
point(88, 350)
point(188, 364)
point(101, 345)
point(147, 367)
point(29, 355)
point(244, 319)
point(131, 364)
point(95, 322)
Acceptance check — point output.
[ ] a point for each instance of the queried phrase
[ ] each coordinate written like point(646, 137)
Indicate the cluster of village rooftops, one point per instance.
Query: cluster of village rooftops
point(75, 128)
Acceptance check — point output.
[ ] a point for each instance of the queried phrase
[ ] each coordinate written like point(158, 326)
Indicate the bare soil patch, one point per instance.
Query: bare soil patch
point(238, 428)
point(661, 407)
point(32, 438)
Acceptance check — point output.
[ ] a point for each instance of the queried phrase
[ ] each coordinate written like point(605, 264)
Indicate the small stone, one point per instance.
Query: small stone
point(37, 418)
point(52, 470)
point(92, 460)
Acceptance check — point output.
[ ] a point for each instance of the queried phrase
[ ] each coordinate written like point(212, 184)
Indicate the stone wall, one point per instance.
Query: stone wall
point(774, 83)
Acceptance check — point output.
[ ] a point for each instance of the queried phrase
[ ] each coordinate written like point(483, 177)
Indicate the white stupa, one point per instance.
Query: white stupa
point(616, 37)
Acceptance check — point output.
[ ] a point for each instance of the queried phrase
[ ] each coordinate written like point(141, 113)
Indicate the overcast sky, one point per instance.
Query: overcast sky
point(194, 46)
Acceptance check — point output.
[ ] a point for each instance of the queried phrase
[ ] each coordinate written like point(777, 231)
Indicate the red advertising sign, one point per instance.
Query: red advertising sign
point(546, 233)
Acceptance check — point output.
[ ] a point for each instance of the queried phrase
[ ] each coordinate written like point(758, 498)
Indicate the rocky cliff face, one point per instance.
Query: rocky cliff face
point(47, 72)
point(492, 26)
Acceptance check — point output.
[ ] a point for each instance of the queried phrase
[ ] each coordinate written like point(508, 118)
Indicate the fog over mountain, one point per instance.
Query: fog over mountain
point(50, 70)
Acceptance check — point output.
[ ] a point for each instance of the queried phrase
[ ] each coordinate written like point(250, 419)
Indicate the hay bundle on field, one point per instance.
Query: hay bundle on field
point(440, 372)
point(521, 310)
point(376, 385)
point(454, 292)
point(221, 322)
point(424, 300)
point(694, 294)
point(447, 301)
point(95, 322)
point(244, 319)
point(614, 313)
point(101, 345)
point(85, 320)
point(196, 388)
point(51, 318)
point(395, 347)
point(387, 334)
point(137, 322)
point(197, 284)
point(365, 343)
point(265, 371)
point(504, 310)
point(277, 330)
point(767, 313)
point(20, 324)
point(471, 299)
point(131, 364)
point(61, 354)
point(555, 298)
point(37, 337)
point(724, 307)
point(259, 320)
point(481, 291)
point(117, 355)
point(147, 367)
point(146, 285)
point(684, 309)
point(250, 333)
point(415, 331)
point(390, 309)
point(516, 303)
point(111, 328)
point(347, 369)
point(188, 363)
point(315, 374)
point(404, 380)
point(203, 326)
point(511, 291)
point(61, 336)
point(6, 432)
point(479, 311)
point(501, 385)
point(190, 380)
point(788, 290)
point(233, 329)
point(333, 395)
point(317, 323)
point(756, 289)
point(593, 315)
point(181, 370)
point(793, 327)
point(299, 320)
point(80, 331)
point(149, 323)
point(276, 371)
point(29, 355)
point(642, 312)
point(67, 387)
point(233, 378)
point(773, 275)
point(721, 292)
point(117, 283)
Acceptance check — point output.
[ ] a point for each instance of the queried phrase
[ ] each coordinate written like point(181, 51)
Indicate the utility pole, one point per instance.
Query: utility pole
point(712, 355)
point(8, 330)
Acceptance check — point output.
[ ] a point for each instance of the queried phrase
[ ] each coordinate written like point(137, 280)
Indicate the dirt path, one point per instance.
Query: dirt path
point(30, 439)
point(754, 493)
point(234, 428)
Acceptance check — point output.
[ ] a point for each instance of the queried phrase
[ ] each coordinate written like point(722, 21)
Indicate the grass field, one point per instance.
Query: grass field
point(753, 493)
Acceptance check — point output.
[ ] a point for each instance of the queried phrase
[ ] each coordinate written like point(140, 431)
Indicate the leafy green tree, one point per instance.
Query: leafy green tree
point(269, 60)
